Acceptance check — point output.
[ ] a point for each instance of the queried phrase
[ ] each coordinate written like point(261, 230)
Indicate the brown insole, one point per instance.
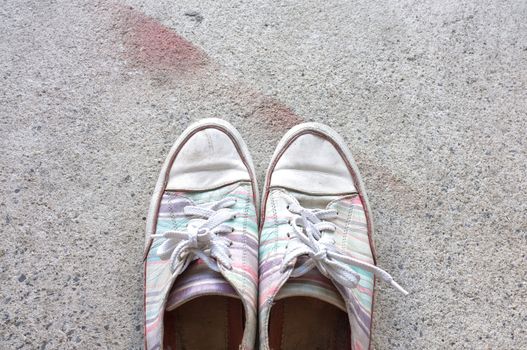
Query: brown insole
point(308, 324)
point(205, 323)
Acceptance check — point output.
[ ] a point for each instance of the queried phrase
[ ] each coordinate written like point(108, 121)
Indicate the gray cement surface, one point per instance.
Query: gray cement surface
point(430, 95)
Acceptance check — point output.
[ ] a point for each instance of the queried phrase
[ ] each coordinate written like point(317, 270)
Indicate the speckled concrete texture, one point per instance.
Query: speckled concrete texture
point(430, 95)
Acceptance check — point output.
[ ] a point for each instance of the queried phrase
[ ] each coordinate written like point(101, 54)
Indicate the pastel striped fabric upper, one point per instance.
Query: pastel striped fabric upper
point(198, 280)
point(351, 239)
point(163, 291)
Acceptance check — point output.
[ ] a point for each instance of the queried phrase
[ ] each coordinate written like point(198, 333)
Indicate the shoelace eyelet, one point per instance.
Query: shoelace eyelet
point(201, 242)
point(330, 262)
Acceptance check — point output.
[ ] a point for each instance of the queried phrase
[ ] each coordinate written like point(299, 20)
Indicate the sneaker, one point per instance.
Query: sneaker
point(201, 258)
point(317, 262)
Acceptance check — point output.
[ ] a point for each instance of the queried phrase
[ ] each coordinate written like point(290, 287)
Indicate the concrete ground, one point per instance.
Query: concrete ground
point(430, 95)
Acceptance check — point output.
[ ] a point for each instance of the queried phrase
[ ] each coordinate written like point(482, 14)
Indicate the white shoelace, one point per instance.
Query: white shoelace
point(309, 240)
point(202, 238)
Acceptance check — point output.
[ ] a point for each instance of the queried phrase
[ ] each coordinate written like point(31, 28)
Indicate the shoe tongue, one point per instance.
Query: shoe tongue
point(312, 284)
point(198, 280)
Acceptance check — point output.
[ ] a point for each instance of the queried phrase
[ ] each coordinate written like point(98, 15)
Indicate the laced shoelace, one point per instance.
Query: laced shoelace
point(309, 240)
point(203, 238)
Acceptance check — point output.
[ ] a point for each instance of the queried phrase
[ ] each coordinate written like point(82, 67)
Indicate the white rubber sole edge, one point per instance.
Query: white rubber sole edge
point(220, 124)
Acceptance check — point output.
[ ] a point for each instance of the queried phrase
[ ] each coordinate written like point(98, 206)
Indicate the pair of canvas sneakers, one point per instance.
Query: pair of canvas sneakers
point(302, 272)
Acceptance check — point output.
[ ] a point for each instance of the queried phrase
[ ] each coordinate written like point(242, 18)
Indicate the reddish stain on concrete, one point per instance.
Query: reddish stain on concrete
point(383, 175)
point(153, 46)
point(276, 115)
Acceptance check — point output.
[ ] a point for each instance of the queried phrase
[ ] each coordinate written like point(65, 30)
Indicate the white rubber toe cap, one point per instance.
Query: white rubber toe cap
point(312, 162)
point(207, 160)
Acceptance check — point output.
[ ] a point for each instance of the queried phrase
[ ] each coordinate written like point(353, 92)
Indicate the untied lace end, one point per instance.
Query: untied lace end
point(313, 225)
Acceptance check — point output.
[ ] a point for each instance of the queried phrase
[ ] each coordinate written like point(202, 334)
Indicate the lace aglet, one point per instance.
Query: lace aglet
point(398, 287)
